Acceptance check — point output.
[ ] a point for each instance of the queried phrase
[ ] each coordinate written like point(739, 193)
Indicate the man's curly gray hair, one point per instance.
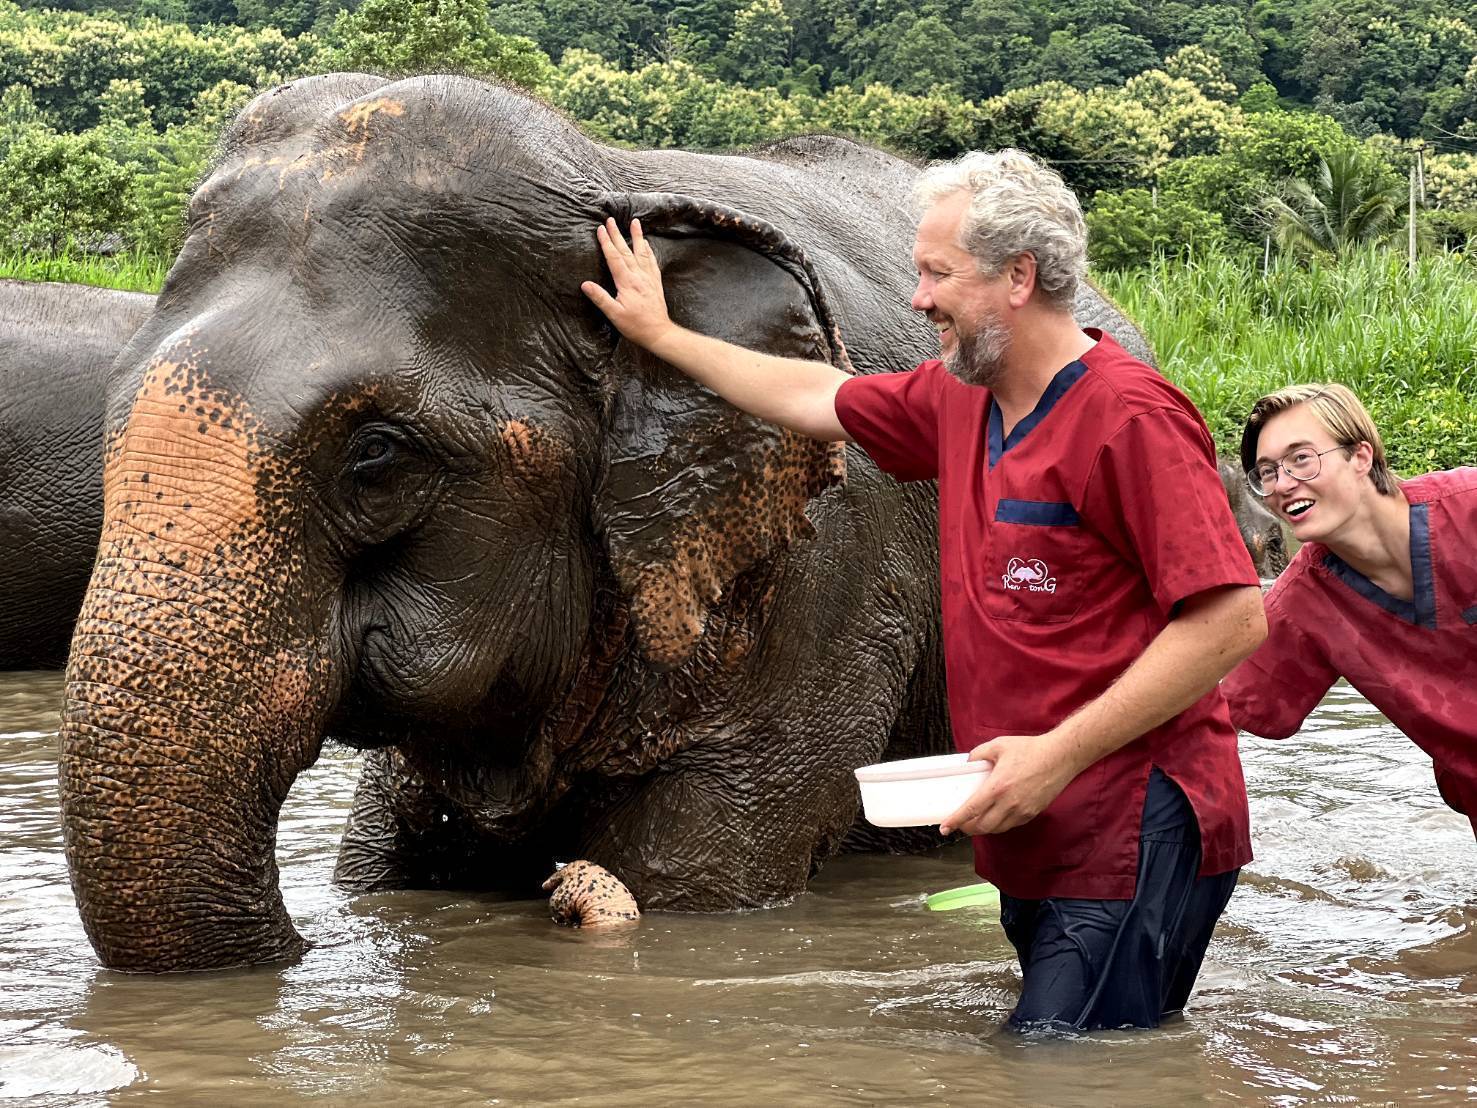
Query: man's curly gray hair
point(1017, 206)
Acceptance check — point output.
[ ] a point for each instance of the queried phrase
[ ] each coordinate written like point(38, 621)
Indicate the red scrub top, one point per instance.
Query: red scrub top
point(1063, 551)
point(1415, 660)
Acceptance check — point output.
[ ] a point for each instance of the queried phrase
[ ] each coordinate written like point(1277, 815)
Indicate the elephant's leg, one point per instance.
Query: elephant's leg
point(921, 729)
point(373, 854)
point(719, 829)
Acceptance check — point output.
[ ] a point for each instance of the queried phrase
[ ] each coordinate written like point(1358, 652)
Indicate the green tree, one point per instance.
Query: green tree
point(1278, 26)
point(1204, 70)
point(1131, 228)
point(70, 61)
point(421, 36)
point(18, 115)
point(60, 188)
point(927, 53)
point(625, 32)
point(1260, 97)
point(1000, 40)
point(1257, 154)
point(934, 126)
point(1347, 202)
point(759, 48)
point(1102, 139)
point(1374, 63)
point(1081, 17)
point(122, 105)
point(1222, 29)
point(1191, 121)
point(169, 166)
point(1451, 181)
point(702, 27)
point(1107, 54)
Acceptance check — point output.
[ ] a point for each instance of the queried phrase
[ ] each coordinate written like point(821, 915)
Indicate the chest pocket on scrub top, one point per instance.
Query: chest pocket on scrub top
point(1039, 555)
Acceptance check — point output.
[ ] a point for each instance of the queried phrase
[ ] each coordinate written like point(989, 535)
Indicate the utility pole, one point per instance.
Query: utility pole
point(1412, 218)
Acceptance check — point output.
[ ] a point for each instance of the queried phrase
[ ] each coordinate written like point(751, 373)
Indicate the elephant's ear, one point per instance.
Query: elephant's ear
point(695, 491)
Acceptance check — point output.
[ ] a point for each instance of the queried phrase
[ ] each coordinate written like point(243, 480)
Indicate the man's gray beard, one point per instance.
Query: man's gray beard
point(979, 354)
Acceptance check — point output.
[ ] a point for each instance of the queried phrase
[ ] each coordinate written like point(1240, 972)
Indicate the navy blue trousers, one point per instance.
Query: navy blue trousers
point(1094, 964)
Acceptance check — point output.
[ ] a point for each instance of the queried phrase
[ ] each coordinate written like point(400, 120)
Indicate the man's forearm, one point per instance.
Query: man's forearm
point(797, 394)
point(1181, 664)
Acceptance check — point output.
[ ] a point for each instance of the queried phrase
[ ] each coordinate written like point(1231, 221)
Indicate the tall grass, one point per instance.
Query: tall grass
point(134, 272)
point(1405, 343)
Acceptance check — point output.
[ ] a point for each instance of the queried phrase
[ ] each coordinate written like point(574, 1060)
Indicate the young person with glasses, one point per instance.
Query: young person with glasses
point(1383, 592)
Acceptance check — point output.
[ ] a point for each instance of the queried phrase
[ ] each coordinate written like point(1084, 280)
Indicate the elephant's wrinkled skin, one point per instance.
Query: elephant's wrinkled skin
point(379, 471)
point(1266, 539)
point(57, 344)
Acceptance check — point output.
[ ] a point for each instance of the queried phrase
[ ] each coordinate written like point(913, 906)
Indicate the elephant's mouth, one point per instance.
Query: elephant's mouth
point(498, 770)
point(367, 733)
point(505, 788)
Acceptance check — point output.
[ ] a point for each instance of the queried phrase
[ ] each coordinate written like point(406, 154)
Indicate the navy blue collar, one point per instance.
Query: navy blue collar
point(1420, 610)
point(1065, 378)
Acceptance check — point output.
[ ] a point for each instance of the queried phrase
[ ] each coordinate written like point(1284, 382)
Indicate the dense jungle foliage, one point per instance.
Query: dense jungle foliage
point(1222, 149)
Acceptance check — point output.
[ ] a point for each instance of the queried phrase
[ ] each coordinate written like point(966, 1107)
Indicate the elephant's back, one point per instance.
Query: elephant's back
point(852, 167)
point(57, 345)
point(50, 329)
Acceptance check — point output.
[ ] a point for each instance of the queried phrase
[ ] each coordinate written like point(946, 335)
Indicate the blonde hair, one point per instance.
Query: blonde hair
point(1016, 206)
point(1342, 416)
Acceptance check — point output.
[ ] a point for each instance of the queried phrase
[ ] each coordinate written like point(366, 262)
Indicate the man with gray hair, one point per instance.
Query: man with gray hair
point(1094, 585)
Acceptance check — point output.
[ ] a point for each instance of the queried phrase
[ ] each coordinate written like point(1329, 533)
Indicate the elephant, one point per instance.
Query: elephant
point(57, 344)
point(376, 470)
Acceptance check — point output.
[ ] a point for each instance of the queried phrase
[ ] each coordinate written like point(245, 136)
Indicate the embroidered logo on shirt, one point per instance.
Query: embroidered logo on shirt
point(1032, 576)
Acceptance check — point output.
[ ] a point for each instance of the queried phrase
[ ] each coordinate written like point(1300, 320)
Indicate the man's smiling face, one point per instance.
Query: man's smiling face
point(1317, 508)
point(965, 306)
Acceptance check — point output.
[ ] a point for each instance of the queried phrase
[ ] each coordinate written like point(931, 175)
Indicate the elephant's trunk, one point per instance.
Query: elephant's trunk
point(192, 701)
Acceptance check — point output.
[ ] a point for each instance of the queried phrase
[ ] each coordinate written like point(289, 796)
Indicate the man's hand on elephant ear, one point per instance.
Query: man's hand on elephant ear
point(583, 894)
point(639, 307)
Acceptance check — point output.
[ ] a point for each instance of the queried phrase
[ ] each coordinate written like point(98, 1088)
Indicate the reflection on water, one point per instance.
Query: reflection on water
point(1341, 974)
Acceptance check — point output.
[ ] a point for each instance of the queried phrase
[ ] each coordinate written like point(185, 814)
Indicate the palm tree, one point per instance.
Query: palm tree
point(1345, 203)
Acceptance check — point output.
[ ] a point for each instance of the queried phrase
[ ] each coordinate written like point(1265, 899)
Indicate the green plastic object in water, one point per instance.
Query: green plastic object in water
point(983, 895)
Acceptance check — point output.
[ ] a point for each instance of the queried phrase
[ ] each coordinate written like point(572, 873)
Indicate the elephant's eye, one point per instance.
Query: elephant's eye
point(372, 453)
point(387, 483)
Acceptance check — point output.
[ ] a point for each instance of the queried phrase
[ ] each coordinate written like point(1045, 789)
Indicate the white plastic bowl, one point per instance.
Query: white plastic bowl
point(918, 791)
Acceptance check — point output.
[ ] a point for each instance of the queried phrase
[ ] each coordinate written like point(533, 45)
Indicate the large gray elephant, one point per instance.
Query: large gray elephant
point(376, 469)
point(57, 344)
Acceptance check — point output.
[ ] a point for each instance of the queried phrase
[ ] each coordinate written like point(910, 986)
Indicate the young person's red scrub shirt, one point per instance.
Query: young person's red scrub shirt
point(1415, 660)
point(1063, 552)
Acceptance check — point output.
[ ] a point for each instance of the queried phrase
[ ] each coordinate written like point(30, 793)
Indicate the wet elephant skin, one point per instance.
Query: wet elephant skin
point(57, 344)
point(1270, 544)
point(375, 469)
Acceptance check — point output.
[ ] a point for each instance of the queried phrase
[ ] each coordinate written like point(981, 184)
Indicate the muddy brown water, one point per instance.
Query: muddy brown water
point(1343, 972)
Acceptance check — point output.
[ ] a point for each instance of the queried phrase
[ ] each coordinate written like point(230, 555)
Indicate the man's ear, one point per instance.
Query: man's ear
point(1363, 458)
point(1020, 271)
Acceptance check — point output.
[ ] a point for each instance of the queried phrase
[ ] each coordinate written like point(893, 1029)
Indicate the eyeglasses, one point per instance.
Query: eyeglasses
point(1302, 464)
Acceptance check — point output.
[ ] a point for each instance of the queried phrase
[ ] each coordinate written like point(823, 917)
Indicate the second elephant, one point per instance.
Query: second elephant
point(57, 345)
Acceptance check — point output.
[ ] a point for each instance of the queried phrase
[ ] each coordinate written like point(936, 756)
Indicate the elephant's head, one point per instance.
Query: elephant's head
point(378, 471)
